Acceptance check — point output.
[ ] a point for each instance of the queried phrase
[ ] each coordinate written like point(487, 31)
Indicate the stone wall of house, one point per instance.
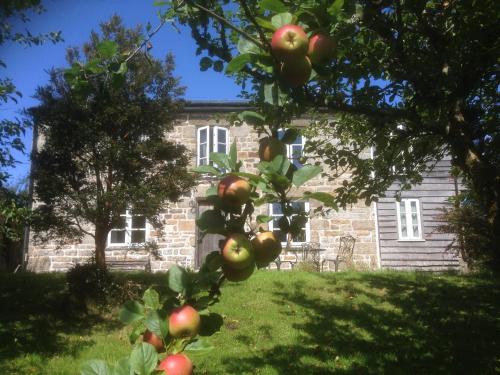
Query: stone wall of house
point(178, 238)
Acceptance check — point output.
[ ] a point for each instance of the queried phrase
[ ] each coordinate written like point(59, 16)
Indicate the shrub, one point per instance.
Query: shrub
point(90, 283)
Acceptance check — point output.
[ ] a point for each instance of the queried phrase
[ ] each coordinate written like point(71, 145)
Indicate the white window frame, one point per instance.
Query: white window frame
point(307, 227)
point(212, 141)
point(289, 150)
point(409, 226)
point(128, 232)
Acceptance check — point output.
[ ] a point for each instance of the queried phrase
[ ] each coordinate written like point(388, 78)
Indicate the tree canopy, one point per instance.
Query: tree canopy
point(414, 79)
point(104, 147)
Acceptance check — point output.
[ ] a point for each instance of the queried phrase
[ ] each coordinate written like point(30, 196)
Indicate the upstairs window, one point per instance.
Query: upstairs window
point(130, 231)
point(409, 222)
point(295, 150)
point(211, 139)
point(276, 212)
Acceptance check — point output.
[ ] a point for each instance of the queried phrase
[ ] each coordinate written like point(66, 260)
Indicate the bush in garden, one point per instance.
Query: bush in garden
point(89, 282)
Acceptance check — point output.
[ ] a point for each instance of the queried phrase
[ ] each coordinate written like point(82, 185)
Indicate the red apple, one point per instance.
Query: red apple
point(237, 252)
point(266, 248)
point(289, 42)
point(154, 340)
point(184, 322)
point(234, 191)
point(270, 147)
point(238, 275)
point(321, 49)
point(176, 364)
point(296, 72)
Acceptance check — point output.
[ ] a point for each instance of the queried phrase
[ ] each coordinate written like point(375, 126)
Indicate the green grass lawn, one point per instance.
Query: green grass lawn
point(280, 323)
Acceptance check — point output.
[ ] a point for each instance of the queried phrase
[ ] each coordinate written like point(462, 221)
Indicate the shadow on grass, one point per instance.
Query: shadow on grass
point(36, 318)
point(384, 323)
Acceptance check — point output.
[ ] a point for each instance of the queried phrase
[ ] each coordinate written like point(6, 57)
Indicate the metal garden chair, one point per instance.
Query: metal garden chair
point(344, 253)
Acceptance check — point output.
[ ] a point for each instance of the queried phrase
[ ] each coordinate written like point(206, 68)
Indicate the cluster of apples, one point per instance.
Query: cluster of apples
point(183, 322)
point(240, 255)
point(298, 53)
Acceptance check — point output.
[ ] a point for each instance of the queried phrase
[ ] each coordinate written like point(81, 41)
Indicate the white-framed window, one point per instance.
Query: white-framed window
point(295, 150)
point(409, 219)
point(275, 210)
point(210, 139)
point(131, 231)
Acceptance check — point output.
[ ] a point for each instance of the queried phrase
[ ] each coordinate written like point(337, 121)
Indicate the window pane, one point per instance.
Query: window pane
point(117, 236)
point(277, 209)
point(413, 206)
point(402, 219)
point(298, 141)
point(203, 136)
point(414, 223)
point(280, 235)
point(204, 161)
point(221, 147)
point(221, 136)
point(300, 237)
point(121, 223)
point(203, 151)
point(138, 222)
point(138, 236)
point(299, 206)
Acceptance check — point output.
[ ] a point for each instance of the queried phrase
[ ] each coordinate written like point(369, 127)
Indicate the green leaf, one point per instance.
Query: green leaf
point(273, 95)
point(198, 346)
point(246, 46)
point(281, 19)
point(326, 198)
point(336, 7)
point(280, 164)
point(238, 63)
point(279, 182)
point(159, 3)
point(213, 261)
point(205, 63)
point(153, 323)
point(218, 66)
point(123, 68)
point(131, 311)
point(304, 174)
point(177, 279)
point(95, 367)
point(143, 359)
point(252, 118)
point(211, 221)
point(262, 22)
point(233, 156)
point(122, 367)
point(262, 219)
point(107, 49)
point(275, 6)
point(151, 299)
point(290, 136)
point(220, 159)
point(206, 169)
point(268, 198)
point(136, 332)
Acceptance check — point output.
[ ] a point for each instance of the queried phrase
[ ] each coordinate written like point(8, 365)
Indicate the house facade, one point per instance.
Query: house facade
point(388, 234)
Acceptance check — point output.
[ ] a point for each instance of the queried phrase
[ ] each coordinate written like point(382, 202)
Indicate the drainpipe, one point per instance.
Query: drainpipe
point(26, 238)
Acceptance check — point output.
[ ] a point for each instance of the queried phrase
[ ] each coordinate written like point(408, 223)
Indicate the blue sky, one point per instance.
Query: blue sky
point(75, 18)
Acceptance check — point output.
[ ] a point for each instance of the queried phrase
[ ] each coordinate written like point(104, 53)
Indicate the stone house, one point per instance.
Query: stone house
point(388, 234)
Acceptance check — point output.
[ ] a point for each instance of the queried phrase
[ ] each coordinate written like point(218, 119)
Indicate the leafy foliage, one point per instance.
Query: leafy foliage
point(12, 130)
point(415, 80)
point(104, 148)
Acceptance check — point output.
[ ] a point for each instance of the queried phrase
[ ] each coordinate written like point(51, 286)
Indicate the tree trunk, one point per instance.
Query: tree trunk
point(101, 237)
